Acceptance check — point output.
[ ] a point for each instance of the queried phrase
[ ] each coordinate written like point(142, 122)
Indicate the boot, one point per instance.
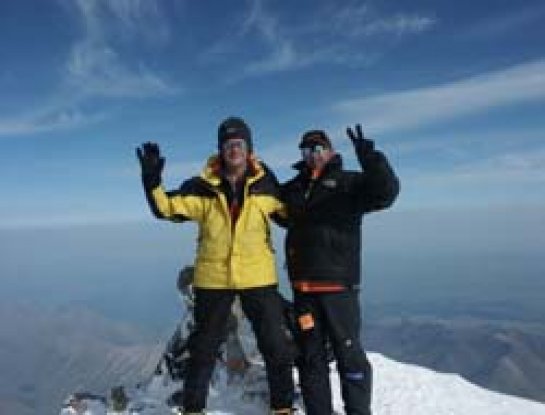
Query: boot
point(282, 411)
point(179, 411)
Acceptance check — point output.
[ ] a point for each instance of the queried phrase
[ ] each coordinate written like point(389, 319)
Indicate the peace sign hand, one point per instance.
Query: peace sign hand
point(362, 145)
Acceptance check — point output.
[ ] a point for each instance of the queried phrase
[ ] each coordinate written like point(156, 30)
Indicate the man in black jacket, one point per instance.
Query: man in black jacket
point(323, 249)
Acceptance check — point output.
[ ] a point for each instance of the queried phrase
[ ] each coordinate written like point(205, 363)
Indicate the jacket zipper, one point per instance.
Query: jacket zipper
point(310, 187)
point(223, 202)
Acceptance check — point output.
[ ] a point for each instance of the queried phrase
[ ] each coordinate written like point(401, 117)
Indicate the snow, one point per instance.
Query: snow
point(399, 389)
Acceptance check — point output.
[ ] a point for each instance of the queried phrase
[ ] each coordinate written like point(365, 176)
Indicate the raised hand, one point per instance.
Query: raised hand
point(151, 163)
point(362, 145)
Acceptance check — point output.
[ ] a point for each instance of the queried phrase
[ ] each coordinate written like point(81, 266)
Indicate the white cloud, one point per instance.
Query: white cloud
point(502, 170)
point(361, 20)
point(506, 178)
point(282, 58)
point(281, 54)
point(131, 19)
point(143, 17)
point(289, 46)
point(53, 116)
point(96, 68)
point(277, 49)
point(417, 107)
point(399, 25)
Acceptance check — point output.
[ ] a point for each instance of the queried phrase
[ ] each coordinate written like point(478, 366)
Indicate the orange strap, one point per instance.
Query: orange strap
point(318, 287)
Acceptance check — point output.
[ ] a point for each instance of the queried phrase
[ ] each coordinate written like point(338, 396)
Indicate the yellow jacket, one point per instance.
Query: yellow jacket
point(226, 258)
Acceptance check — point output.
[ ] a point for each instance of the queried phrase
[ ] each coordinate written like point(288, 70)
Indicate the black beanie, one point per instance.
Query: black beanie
point(234, 127)
point(315, 137)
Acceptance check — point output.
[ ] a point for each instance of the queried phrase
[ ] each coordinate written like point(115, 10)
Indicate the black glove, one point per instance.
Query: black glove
point(363, 146)
point(151, 163)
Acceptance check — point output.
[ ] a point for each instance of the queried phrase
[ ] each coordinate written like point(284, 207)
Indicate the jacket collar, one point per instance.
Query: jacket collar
point(335, 163)
point(212, 172)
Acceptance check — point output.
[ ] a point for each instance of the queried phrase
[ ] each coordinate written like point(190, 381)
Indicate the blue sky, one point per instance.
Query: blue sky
point(454, 92)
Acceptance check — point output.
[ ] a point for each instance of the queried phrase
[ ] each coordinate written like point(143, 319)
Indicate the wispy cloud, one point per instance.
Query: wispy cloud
point(398, 25)
point(96, 68)
point(338, 42)
point(423, 106)
point(506, 178)
point(278, 52)
point(281, 54)
point(501, 171)
point(128, 19)
point(288, 45)
point(362, 20)
point(139, 18)
point(56, 114)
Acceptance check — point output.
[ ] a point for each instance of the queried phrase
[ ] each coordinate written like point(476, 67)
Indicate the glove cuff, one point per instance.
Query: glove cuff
point(151, 181)
point(368, 158)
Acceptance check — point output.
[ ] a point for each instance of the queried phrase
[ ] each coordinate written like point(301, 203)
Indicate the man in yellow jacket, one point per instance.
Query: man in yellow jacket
point(233, 201)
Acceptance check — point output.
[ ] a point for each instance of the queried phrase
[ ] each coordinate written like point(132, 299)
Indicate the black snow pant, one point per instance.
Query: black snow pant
point(263, 307)
point(337, 319)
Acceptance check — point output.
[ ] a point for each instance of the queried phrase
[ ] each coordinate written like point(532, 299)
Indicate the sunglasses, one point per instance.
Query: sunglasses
point(306, 152)
point(234, 143)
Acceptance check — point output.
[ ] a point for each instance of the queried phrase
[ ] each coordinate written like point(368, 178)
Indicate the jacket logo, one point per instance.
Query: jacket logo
point(331, 183)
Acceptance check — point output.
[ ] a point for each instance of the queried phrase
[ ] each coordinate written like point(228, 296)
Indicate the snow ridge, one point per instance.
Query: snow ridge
point(399, 388)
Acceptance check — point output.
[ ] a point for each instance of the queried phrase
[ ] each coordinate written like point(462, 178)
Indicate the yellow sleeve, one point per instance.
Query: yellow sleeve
point(177, 205)
point(280, 213)
point(274, 208)
point(279, 208)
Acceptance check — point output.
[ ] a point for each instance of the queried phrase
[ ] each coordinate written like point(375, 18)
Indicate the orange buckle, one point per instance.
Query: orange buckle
point(306, 321)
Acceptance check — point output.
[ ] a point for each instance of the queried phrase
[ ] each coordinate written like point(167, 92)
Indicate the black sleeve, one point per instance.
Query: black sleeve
point(274, 189)
point(279, 220)
point(378, 186)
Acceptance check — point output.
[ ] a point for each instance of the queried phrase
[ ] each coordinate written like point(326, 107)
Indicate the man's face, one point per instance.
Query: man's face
point(234, 152)
point(316, 156)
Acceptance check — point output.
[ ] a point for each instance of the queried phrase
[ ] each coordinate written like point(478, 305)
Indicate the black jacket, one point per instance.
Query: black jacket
point(323, 241)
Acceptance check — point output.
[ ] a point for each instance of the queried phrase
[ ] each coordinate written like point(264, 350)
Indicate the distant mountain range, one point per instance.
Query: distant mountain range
point(508, 357)
point(45, 355)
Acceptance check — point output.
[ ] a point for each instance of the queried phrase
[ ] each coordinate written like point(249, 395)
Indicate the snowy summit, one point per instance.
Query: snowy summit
point(239, 384)
point(399, 389)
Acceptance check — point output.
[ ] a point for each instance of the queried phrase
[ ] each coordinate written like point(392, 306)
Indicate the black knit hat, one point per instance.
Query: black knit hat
point(234, 127)
point(313, 137)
